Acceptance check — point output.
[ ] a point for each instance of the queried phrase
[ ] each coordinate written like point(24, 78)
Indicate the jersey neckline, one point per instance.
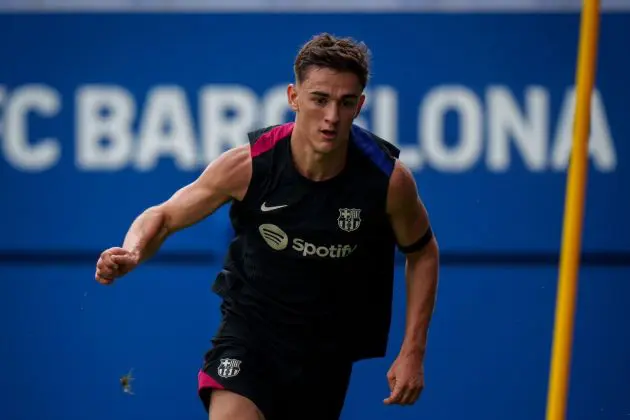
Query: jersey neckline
point(330, 181)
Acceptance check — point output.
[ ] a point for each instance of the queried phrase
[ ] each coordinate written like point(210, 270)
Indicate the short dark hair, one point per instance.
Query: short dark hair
point(340, 54)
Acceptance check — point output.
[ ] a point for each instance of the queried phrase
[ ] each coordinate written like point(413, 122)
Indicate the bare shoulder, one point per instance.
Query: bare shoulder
point(225, 178)
point(403, 190)
point(230, 173)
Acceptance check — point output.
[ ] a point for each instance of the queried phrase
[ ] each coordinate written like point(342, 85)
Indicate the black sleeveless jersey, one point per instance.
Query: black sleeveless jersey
point(311, 265)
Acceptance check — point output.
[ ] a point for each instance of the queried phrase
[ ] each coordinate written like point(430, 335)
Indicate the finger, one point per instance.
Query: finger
point(105, 273)
point(415, 395)
point(405, 395)
point(116, 251)
point(110, 261)
point(103, 280)
point(106, 268)
point(394, 398)
point(391, 380)
point(408, 396)
point(109, 266)
point(122, 259)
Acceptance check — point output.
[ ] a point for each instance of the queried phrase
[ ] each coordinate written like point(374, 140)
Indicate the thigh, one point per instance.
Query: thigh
point(235, 367)
point(227, 405)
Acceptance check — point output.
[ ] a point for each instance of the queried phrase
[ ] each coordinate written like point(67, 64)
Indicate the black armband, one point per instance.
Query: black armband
point(419, 244)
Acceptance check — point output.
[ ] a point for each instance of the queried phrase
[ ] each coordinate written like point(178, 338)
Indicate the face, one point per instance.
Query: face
point(326, 103)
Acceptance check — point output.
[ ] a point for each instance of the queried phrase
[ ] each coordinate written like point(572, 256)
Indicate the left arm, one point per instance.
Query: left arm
point(411, 226)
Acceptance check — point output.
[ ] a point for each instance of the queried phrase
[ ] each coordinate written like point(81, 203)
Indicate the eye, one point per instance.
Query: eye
point(349, 103)
point(320, 101)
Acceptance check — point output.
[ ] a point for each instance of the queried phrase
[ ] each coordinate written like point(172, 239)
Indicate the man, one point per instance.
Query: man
point(318, 208)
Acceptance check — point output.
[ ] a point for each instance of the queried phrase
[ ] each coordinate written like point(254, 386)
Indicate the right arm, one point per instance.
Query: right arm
point(224, 179)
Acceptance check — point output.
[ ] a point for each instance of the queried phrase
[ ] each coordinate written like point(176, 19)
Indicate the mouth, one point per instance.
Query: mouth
point(328, 134)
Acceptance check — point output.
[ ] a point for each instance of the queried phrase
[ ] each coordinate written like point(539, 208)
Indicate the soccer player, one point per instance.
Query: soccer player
point(319, 207)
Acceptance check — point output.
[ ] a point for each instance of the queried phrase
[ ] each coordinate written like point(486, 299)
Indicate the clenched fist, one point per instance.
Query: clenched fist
point(114, 263)
point(406, 378)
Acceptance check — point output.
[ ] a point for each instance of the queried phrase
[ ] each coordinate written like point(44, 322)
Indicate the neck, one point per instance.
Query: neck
point(313, 165)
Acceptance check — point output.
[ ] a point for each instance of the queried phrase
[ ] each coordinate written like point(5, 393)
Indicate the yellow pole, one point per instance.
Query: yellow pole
point(573, 215)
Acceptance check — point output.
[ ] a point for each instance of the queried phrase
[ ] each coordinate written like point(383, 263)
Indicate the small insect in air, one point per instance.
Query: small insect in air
point(125, 382)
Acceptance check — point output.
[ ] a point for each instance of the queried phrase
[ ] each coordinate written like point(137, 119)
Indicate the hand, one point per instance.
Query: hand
point(406, 379)
point(114, 263)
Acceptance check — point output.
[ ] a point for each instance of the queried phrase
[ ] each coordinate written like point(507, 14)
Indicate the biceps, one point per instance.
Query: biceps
point(192, 204)
point(410, 223)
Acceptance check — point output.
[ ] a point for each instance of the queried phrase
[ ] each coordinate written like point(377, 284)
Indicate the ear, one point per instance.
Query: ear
point(292, 95)
point(359, 106)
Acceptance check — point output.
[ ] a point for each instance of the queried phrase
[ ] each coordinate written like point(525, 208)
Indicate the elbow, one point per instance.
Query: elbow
point(160, 217)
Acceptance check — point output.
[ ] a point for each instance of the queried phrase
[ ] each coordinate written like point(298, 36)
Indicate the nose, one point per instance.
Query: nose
point(332, 113)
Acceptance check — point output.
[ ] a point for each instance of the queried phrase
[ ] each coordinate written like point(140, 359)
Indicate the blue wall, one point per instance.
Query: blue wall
point(479, 103)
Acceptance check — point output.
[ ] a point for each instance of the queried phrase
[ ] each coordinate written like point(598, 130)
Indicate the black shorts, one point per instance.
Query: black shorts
point(281, 385)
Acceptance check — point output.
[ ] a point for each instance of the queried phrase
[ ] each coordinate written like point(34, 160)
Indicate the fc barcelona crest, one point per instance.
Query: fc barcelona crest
point(229, 368)
point(349, 219)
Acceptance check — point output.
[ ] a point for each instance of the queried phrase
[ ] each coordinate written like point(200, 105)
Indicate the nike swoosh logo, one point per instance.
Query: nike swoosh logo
point(264, 207)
